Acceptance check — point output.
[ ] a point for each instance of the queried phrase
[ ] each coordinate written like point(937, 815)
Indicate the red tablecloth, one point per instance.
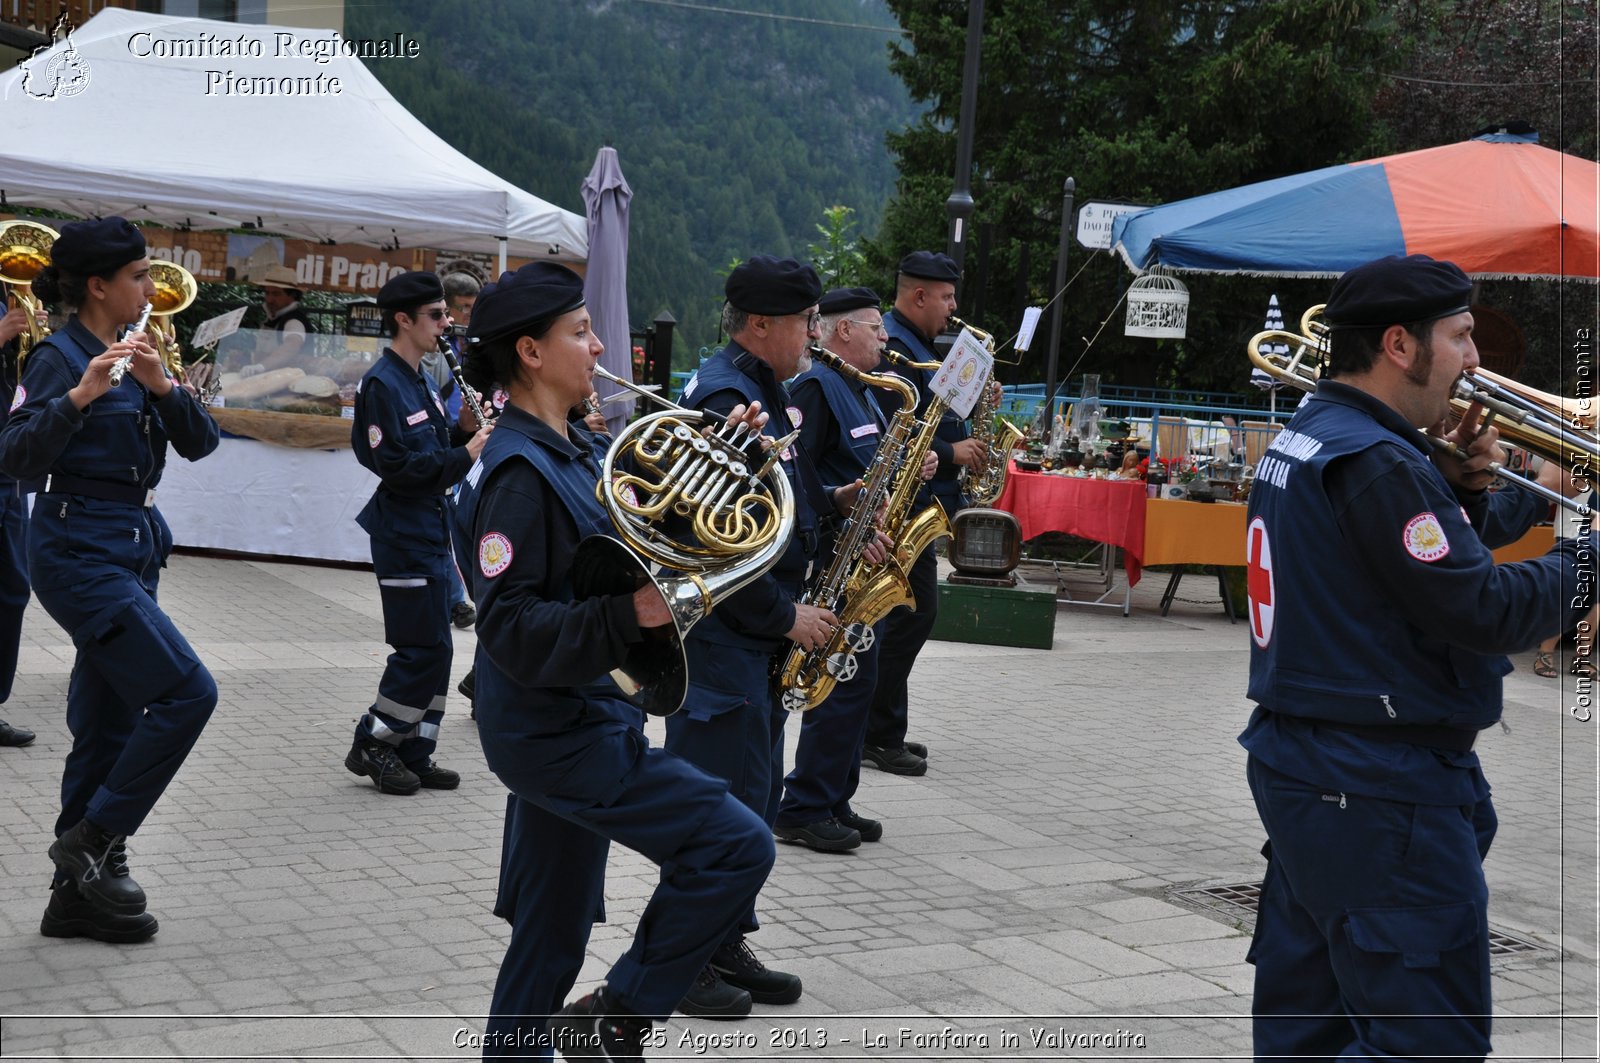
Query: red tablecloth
point(1107, 511)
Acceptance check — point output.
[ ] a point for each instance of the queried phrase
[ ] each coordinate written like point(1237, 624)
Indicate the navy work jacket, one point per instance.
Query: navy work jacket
point(401, 434)
point(543, 659)
point(841, 424)
point(909, 341)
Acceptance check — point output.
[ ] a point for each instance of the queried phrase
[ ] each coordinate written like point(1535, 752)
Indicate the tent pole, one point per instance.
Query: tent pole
point(502, 242)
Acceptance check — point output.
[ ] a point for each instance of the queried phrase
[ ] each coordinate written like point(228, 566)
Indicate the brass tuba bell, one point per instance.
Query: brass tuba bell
point(24, 251)
point(175, 291)
point(664, 473)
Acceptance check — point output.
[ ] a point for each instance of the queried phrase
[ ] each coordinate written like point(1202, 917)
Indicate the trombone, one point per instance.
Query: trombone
point(1555, 428)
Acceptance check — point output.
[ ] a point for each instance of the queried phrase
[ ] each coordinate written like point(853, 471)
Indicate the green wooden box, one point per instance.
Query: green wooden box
point(1024, 615)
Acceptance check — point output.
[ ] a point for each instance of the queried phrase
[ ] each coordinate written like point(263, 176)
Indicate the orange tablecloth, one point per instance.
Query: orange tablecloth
point(1193, 533)
point(1107, 511)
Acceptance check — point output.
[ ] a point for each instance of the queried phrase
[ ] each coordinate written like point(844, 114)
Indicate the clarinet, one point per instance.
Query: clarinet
point(467, 394)
point(120, 368)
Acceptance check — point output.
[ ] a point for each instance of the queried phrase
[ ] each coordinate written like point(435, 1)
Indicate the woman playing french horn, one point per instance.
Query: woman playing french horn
point(555, 729)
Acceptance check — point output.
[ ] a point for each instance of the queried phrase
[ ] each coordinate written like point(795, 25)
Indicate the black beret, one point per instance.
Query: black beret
point(930, 265)
point(842, 299)
point(536, 292)
point(1397, 291)
point(91, 248)
point(406, 290)
point(773, 286)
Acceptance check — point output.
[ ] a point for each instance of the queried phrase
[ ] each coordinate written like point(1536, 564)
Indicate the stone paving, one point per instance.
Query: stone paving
point(1018, 905)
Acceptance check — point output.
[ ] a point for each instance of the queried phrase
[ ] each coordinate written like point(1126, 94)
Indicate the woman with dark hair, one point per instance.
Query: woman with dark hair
point(554, 727)
point(139, 697)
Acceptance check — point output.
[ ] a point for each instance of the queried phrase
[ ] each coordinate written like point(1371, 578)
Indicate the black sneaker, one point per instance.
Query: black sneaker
point(825, 836)
point(14, 736)
point(592, 1027)
point(712, 998)
point(917, 749)
point(896, 761)
point(96, 861)
point(368, 756)
point(738, 966)
point(469, 683)
point(68, 915)
point(870, 829)
point(463, 615)
point(433, 777)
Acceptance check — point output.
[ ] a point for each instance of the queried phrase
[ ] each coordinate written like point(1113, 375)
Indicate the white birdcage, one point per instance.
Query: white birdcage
point(1158, 306)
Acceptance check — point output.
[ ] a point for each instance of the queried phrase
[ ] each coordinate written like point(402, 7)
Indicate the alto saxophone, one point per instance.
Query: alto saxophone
point(985, 485)
point(858, 593)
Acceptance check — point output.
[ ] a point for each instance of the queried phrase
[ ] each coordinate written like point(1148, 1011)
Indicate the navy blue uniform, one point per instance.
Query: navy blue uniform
point(400, 433)
point(841, 425)
point(581, 771)
point(139, 697)
point(906, 630)
point(1379, 622)
point(13, 547)
point(730, 724)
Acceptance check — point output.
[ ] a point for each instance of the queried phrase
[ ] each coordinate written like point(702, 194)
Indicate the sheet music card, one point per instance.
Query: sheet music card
point(964, 374)
point(217, 328)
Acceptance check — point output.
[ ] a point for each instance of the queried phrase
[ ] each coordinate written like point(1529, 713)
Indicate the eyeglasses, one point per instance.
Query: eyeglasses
point(437, 315)
point(813, 320)
point(876, 326)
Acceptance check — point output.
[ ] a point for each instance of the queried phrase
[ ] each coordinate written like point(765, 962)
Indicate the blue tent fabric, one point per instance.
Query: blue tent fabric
point(1315, 224)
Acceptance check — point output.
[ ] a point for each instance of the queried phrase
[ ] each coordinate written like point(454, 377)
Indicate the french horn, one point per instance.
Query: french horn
point(697, 514)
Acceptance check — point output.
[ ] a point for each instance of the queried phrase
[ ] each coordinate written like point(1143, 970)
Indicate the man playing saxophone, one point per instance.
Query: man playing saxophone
point(925, 297)
point(842, 424)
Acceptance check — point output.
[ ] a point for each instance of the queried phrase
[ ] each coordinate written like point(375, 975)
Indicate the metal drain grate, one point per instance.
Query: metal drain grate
point(1243, 899)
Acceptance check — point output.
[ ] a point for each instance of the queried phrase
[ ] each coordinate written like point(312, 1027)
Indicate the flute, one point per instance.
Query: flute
point(120, 368)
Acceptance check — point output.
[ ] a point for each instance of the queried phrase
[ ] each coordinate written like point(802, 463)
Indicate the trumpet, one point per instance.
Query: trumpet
point(1556, 429)
point(175, 291)
point(24, 251)
point(120, 367)
point(741, 516)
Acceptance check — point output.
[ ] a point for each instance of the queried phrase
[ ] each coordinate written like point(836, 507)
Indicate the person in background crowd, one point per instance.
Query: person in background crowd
point(730, 724)
point(280, 294)
point(1378, 621)
point(841, 427)
point(138, 697)
point(14, 592)
point(925, 297)
point(400, 433)
point(553, 726)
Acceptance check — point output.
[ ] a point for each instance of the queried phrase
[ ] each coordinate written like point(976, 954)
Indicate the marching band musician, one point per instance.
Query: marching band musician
point(138, 697)
point(14, 591)
point(925, 297)
point(553, 726)
point(1378, 621)
point(841, 424)
point(401, 433)
point(730, 724)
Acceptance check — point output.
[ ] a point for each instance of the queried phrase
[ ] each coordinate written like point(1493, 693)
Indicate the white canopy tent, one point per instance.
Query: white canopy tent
point(160, 133)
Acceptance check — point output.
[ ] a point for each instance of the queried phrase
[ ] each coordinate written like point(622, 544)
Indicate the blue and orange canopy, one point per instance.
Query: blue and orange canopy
point(1498, 206)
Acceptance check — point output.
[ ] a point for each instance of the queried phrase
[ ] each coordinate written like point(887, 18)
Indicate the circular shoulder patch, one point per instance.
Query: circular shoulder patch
point(629, 495)
point(1424, 538)
point(494, 554)
point(19, 398)
point(374, 436)
point(796, 418)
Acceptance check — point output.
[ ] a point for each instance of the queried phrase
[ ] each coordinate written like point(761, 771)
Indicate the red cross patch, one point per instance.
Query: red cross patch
point(1263, 597)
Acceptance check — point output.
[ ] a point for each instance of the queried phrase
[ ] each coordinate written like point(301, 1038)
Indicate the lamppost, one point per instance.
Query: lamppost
point(959, 206)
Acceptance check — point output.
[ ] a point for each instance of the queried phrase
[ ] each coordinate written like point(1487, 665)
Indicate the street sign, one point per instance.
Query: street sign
point(1094, 222)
